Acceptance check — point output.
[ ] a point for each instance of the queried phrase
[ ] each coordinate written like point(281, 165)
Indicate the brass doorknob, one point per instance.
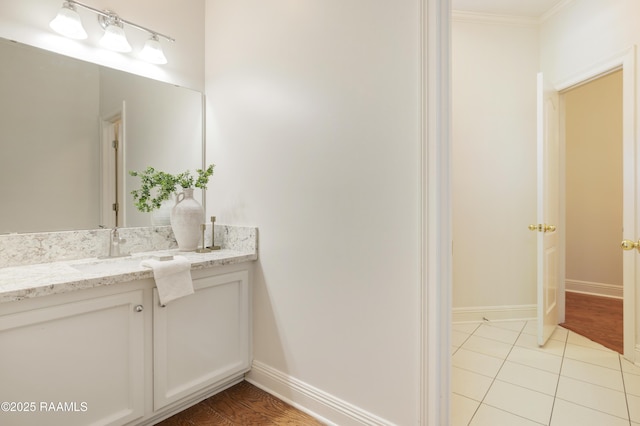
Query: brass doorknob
point(542, 228)
point(630, 245)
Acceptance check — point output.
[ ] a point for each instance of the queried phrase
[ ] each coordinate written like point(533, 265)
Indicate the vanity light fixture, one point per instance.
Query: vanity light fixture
point(152, 51)
point(68, 23)
point(114, 37)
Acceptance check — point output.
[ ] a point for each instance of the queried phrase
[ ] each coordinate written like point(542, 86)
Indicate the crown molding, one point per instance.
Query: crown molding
point(490, 18)
point(556, 9)
point(522, 21)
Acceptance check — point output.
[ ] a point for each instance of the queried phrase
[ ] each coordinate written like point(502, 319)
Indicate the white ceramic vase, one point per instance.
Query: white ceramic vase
point(186, 217)
point(162, 216)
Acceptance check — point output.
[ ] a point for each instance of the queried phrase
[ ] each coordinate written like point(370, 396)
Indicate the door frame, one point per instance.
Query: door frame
point(624, 61)
point(435, 213)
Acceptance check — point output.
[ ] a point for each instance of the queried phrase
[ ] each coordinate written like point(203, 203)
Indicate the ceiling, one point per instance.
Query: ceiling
point(528, 8)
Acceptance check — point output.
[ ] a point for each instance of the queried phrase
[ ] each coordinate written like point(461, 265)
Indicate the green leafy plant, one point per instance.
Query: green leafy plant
point(157, 186)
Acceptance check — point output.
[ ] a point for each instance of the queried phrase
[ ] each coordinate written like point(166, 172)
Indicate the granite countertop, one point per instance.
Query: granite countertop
point(23, 282)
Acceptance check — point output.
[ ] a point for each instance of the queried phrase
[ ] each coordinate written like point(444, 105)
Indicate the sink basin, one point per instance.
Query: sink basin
point(117, 265)
point(111, 265)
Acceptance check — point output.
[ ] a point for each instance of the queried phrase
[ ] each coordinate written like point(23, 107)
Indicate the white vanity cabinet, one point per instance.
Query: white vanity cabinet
point(202, 339)
point(111, 355)
point(69, 360)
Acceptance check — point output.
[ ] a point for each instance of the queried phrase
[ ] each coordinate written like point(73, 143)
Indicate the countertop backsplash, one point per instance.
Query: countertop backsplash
point(46, 247)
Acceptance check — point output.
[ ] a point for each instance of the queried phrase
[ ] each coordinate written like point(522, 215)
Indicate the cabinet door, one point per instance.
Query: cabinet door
point(78, 363)
point(201, 339)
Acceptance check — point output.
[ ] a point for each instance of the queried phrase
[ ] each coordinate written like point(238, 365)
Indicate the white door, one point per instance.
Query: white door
point(548, 270)
point(630, 213)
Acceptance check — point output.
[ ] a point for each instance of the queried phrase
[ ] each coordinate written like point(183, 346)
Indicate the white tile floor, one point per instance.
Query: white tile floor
point(501, 377)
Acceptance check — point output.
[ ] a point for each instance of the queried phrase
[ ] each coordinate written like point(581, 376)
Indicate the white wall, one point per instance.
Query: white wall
point(27, 21)
point(313, 121)
point(494, 149)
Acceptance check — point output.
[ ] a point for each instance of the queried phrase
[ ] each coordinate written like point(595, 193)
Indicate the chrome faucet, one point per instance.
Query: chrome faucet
point(114, 243)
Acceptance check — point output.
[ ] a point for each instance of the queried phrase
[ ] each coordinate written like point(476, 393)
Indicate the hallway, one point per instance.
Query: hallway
point(501, 377)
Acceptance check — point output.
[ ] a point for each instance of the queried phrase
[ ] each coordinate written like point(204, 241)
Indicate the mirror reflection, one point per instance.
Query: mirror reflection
point(71, 130)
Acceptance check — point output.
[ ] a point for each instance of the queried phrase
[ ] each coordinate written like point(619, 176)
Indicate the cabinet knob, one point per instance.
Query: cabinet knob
point(139, 308)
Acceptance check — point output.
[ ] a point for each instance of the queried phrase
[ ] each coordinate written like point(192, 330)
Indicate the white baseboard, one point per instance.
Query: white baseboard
point(495, 313)
point(595, 289)
point(315, 402)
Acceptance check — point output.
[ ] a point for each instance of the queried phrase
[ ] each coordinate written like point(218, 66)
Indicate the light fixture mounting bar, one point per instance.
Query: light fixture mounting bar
point(109, 14)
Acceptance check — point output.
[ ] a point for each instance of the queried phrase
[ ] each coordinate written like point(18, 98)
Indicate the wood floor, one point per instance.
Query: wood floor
point(242, 404)
point(598, 318)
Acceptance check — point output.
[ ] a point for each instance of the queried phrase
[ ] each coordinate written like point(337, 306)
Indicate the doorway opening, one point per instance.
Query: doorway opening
point(112, 164)
point(593, 209)
point(624, 63)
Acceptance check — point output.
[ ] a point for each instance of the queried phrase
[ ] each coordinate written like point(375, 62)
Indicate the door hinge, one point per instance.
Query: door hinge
point(115, 144)
point(116, 207)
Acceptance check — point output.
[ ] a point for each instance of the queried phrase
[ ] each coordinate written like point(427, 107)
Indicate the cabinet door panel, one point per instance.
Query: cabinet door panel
point(78, 363)
point(202, 338)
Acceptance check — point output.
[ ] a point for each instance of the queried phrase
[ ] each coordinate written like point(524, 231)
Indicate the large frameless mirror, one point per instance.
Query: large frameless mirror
point(71, 130)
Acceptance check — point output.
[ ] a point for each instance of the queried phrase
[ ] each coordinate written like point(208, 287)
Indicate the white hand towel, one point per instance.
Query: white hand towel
point(173, 277)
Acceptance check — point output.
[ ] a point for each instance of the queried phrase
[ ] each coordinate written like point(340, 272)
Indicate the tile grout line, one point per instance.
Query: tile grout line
point(555, 394)
point(465, 340)
point(624, 388)
point(485, 394)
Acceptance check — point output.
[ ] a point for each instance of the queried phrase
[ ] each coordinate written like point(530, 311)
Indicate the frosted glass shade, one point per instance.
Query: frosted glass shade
point(152, 52)
point(67, 23)
point(115, 39)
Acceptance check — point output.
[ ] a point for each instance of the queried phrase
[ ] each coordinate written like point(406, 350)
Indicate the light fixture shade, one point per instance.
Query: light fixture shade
point(152, 51)
point(67, 23)
point(115, 39)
